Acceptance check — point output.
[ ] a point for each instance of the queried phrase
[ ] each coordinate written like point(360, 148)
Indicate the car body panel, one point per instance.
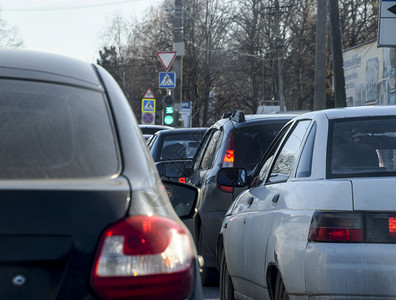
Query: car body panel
point(373, 194)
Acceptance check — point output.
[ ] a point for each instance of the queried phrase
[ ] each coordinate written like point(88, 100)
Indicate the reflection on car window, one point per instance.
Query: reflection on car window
point(287, 157)
point(270, 154)
point(62, 132)
point(362, 147)
point(209, 156)
point(180, 146)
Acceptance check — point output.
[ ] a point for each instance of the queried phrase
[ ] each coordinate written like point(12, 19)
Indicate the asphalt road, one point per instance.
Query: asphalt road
point(211, 293)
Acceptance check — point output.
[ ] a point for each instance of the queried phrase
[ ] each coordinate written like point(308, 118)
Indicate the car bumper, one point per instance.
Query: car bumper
point(355, 271)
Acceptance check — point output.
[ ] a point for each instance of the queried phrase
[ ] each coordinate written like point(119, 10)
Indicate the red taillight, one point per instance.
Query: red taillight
point(392, 226)
point(336, 227)
point(229, 154)
point(144, 257)
point(363, 227)
point(182, 179)
point(227, 189)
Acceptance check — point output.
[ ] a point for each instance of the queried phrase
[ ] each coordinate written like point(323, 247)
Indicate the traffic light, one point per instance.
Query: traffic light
point(169, 111)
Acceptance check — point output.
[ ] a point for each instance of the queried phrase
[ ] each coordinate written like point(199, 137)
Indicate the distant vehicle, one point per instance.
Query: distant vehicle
point(237, 140)
point(149, 130)
point(179, 144)
point(319, 217)
point(84, 214)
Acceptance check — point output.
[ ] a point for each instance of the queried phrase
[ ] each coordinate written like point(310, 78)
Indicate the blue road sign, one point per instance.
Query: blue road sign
point(167, 80)
point(148, 105)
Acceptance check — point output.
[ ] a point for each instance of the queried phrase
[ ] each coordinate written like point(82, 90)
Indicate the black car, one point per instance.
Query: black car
point(84, 214)
point(236, 140)
point(178, 144)
point(149, 130)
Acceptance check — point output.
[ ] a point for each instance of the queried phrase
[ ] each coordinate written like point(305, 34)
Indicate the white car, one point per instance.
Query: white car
point(319, 218)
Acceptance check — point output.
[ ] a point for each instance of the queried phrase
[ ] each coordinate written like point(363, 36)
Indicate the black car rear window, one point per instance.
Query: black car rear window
point(54, 131)
point(251, 143)
point(180, 146)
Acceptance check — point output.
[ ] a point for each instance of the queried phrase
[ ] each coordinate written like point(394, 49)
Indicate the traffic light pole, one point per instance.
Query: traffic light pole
point(179, 48)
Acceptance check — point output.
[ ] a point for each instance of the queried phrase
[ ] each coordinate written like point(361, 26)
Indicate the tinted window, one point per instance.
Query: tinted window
point(54, 131)
point(287, 157)
point(210, 153)
point(362, 147)
point(305, 165)
point(252, 142)
point(180, 146)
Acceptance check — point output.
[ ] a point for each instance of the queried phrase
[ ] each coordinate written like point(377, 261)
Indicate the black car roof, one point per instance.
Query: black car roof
point(255, 119)
point(17, 63)
point(177, 131)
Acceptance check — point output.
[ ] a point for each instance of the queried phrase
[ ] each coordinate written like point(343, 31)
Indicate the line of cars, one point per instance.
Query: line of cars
point(85, 214)
point(236, 140)
point(312, 217)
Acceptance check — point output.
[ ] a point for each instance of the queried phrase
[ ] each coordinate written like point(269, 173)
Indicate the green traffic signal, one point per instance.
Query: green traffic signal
point(169, 110)
point(168, 120)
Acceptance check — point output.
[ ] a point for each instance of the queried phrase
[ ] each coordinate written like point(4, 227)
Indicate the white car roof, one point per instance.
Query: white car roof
point(348, 112)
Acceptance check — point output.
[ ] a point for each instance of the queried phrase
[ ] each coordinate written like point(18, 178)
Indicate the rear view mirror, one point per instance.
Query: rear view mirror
point(183, 198)
point(233, 177)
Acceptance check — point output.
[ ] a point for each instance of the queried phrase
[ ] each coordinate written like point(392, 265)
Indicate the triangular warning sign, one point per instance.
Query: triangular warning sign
point(149, 94)
point(166, 58)
point(167, 81)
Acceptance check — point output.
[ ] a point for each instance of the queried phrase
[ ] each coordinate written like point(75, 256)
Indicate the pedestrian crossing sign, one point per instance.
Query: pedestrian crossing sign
point(148, 105)
point(167, 80)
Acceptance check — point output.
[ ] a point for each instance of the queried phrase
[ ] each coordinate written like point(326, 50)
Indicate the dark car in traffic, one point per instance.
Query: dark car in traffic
point(84, 214)
point(149, 130)
point(236, 140)
point(178, 144)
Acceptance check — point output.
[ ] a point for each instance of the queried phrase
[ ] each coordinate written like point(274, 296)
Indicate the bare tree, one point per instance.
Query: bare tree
point(9, 36)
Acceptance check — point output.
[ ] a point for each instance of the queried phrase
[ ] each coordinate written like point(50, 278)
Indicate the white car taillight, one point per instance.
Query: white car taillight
point(144, 257)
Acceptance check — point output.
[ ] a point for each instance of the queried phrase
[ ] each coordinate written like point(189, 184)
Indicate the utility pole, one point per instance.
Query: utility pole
point(338, 61)
point(178, 46)
point(320, 56)
point(279, 57)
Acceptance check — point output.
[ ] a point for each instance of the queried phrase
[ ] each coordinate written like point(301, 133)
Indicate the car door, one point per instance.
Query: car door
point(204, 158)
point(267, 204)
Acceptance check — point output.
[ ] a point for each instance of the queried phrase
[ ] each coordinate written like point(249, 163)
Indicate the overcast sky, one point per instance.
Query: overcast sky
point(68, 27)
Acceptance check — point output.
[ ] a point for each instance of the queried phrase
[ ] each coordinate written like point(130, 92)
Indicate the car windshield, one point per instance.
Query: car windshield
point(51, 131)
point(362, 147)
point(180, 146)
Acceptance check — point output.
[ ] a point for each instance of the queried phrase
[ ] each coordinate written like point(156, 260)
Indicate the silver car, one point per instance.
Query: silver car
point(319, 218)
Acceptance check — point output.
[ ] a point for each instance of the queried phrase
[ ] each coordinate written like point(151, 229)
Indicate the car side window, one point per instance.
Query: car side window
point(202, 147)
point(210, 153)
point(270, 154)
point(287, 157)
point(151, 141)
point(305, 163)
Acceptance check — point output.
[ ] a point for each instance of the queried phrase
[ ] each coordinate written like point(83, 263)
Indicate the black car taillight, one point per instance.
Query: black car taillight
point(144, 257)
point(229, 154)
point(363, 227)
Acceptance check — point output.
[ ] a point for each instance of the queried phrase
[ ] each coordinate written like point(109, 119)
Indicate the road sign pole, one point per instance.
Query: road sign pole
point(179, 48)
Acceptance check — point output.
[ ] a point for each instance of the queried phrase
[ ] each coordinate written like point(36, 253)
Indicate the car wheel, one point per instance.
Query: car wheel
point(280, 290)
point(226, 286)
point(209, 276)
